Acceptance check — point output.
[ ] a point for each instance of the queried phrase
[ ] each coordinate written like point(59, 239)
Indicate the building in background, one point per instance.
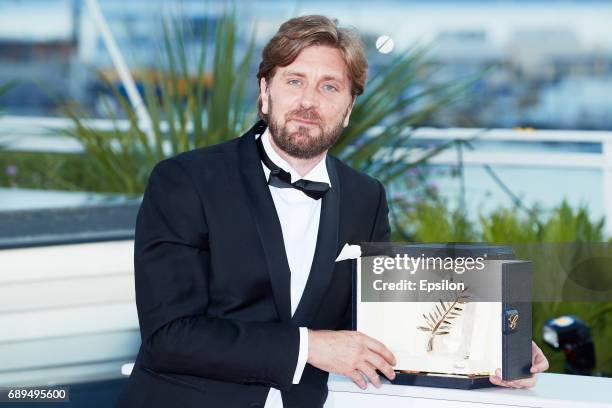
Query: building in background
point(546, 70)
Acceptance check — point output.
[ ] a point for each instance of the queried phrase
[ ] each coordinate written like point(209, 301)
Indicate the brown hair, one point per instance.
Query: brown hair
point(300, 32)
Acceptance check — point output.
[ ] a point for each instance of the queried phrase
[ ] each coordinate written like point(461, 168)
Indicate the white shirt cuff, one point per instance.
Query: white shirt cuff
point(302, 355)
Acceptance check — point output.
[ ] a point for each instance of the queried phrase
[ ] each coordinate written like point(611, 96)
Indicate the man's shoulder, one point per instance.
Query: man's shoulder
point(355, 179)
point(204, 158)
point(223, 151)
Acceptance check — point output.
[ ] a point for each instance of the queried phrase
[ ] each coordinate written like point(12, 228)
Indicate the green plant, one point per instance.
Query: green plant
point(507, 225)
point(4, 88)
point(430, 221)
point(567, 225)
point(210, 113)
point(190, 113)
point(390, 105)
point(9, 169)
point(50, 171)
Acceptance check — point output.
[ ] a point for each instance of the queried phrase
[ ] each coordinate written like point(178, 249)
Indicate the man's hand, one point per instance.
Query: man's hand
point(350, 353)
point(539, 363)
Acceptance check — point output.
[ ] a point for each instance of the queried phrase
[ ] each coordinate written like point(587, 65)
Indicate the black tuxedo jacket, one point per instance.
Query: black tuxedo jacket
point(212, 280)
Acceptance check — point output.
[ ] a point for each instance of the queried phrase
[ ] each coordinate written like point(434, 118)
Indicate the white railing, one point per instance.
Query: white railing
point(42, 134)
point(601, 161)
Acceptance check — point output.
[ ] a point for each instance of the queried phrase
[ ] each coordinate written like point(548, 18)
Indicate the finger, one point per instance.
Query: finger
point(494, 379)
point(497, 378)
point(370, 373)
point(536, 351)
point(522, 383)
point(380, 348)
point(539, 367)
point(358, 379)
point(508, 384)
point(378, 363)
point(540, 363)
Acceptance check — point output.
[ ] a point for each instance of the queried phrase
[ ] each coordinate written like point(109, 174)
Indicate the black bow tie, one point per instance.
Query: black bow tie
point(282, 179)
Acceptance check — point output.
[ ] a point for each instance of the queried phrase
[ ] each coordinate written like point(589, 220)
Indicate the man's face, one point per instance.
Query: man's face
point(308, 102)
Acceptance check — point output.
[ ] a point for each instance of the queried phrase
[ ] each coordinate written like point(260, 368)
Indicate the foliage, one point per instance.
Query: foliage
point(396, 101)
point(434, 221)
point(194, 108)
point(213, 108)
point(507, 225)
point(188, 113)
point(50, 171)
point(5, 87)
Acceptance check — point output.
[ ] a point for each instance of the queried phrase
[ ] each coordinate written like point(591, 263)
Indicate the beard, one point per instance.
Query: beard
point(304, 142)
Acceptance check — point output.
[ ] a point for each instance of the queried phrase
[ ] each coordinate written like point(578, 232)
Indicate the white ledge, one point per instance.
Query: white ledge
point(551, 391)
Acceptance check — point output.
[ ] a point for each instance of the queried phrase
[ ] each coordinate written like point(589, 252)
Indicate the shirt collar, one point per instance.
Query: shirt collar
point(317, 173)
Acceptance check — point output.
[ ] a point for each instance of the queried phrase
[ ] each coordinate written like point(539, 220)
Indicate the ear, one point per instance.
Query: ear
point(263, 95)
point(348, 112)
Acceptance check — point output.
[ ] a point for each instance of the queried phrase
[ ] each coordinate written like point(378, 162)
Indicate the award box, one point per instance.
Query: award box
point(454, 337)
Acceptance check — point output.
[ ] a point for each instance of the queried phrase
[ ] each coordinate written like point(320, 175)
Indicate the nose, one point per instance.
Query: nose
point(309, 98)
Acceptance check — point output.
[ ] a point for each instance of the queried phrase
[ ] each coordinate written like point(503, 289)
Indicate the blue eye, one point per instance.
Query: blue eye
point(330, 87)
point(294, 82)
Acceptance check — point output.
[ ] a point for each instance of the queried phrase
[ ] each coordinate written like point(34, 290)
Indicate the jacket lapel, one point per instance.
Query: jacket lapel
point(266, 220)
point(325, 252)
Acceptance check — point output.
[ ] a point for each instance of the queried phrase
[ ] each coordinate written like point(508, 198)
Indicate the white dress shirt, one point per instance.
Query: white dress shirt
point(299, 218)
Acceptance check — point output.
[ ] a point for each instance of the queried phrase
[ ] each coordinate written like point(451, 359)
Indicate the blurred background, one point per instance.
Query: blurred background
point(487, 121)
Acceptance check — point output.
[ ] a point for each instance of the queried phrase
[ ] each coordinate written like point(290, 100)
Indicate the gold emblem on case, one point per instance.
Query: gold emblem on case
point(513, 321)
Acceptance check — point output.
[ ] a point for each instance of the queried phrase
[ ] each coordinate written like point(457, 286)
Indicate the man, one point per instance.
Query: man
point(239, 299)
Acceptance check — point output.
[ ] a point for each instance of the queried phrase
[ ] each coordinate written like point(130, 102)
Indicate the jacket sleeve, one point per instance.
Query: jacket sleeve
point(381, 231)
point(172, 270)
